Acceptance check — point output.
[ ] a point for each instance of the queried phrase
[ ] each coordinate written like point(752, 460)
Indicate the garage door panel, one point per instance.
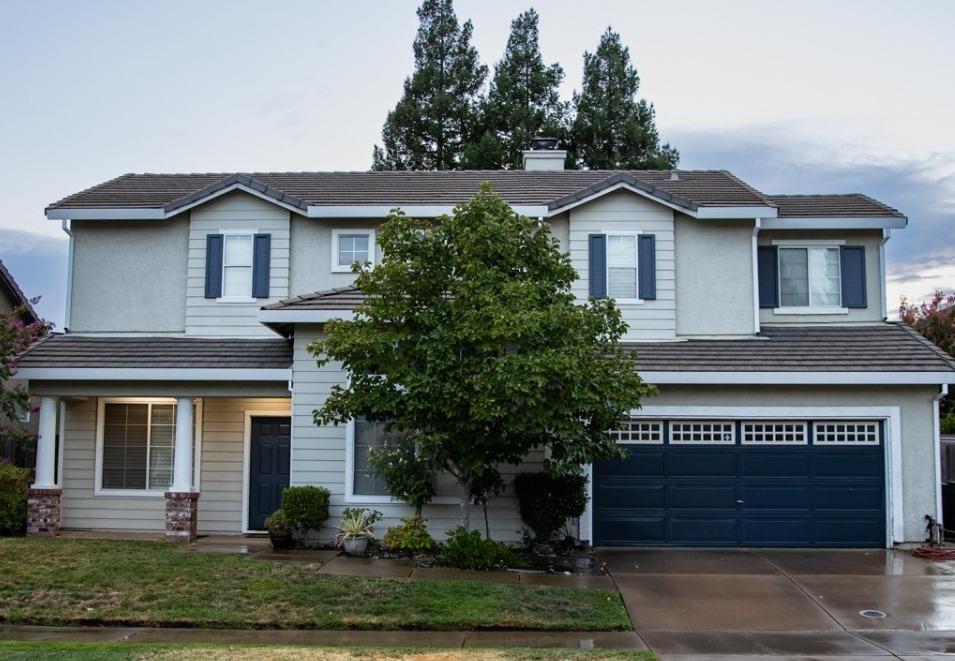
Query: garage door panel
point(705, 530)
point(776, 531)
point(844, 462)
point(698, 496)
point(637, 464)
point(622, 528)
point(775, 464)
point(848, 497)
point(776, 496)
point(632, 496)
point(850, 531)
point(704, 463)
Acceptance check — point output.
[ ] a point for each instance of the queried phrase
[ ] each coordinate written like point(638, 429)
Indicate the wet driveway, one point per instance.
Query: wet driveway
point(790, 603)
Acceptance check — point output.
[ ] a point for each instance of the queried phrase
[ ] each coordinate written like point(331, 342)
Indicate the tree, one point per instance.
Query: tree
point(935, 319)
point(523, 101)
point(19, 329)
point(612, 130)
point(436, 114)
point(471, 344)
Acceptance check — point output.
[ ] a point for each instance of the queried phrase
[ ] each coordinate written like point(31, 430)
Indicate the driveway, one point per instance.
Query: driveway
point(790, 603)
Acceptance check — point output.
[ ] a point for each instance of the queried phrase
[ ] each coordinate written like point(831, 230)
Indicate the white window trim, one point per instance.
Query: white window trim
point(237, 232)
point(635, 234)
point(809, 309)
point(840, 444)
point(662, 432)
point(98, 489)
point(352, 498)
point(247, 457)
point(372, 247)
point(701, 421)
point(757, 421)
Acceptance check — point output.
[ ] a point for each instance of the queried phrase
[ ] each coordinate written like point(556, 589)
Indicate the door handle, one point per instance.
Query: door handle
point(739, 502)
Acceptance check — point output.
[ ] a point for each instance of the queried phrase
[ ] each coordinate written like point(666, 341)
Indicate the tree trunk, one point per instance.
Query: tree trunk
point(465, 505)
point(487, 526)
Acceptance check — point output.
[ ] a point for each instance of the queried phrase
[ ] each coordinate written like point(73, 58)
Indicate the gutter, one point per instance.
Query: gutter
point(65, 224)
point(886, 235)
point(757, 223)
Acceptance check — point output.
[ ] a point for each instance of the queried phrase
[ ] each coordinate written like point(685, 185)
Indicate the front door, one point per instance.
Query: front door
point(270, 450)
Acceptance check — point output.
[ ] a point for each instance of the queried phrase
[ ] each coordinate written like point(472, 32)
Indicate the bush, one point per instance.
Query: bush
point(278, 524)
point(14, 482)
point(410, 535)
point(357, 523)
point(306, 508)
point(469, 550)
point(408, 477)
point(546, 501)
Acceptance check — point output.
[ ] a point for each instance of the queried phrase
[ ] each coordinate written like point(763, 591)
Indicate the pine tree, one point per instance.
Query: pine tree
point(523, 101)
point(428, 128)
point(613, 130)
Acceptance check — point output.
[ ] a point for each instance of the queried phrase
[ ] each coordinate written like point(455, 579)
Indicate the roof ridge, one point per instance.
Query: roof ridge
point(745, 185)
point(924, 340)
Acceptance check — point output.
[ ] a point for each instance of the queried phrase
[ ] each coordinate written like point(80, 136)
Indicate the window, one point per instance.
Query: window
point(809, 277)
point(845, 433)
point(22, 412)
point(350, 246)
point(237, 266)
point(702, 431)
point(137, 446)
point(368, 436)
point(622, 266)
point(636, 430)
point(774, 433)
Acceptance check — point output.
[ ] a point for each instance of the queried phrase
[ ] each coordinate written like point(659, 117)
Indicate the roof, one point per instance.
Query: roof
point(15, 294)
point(851, 205)
point(79, 351)
point(339, 298)
point(887, 347)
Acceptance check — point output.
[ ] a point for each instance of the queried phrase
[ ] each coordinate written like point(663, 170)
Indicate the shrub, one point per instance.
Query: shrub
point(14, 482)
point(306, 508)
point(546, 501)
point(357, 523)
point(469, 550)
point(278, 524)
point(407, 476)
point(410, 535)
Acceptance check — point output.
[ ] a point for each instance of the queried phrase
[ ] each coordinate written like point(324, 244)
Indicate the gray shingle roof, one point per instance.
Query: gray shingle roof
point(77, 351)
point(340, 298)
point(15, 295)
point(877, 348)
point(851, 205)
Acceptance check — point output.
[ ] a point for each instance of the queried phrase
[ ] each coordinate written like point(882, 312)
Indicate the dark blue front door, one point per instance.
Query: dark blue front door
point(819, 490)
point(270, 449)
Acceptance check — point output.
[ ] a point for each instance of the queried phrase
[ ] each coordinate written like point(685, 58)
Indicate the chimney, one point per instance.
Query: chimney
point(544, 155)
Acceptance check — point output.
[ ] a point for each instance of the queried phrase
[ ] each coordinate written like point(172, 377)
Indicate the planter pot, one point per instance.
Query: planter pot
point(355, 546)
point(281, 541)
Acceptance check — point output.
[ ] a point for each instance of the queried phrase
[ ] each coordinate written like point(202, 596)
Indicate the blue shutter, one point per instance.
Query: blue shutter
point(647, 265)
point(261, 253)
point(767, 266)
point(213, 265)
point(598, 266)
point(853, 276)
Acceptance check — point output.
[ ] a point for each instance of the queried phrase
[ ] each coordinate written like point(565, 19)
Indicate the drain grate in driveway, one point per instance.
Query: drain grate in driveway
point(873, 614)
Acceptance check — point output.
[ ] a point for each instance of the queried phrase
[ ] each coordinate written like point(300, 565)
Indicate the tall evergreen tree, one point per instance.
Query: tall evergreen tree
point(612, 129)
point(523, 101)
point(429, 126)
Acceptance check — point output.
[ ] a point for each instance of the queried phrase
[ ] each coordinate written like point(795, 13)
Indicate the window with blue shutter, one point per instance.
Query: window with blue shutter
point(647, 262)
point(767, 275)
point(853, 276)
point(261, 257)
point(598, 265)
point(214, 265)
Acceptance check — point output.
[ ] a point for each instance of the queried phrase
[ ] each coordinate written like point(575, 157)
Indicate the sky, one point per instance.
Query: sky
point(807, 97)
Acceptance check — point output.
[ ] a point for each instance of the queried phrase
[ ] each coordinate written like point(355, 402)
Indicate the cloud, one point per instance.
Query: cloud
point(38, 263)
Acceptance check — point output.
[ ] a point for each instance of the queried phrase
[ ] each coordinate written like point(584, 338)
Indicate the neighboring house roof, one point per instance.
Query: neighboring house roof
point(851, 205)
point(15, 295)
point(85, 352)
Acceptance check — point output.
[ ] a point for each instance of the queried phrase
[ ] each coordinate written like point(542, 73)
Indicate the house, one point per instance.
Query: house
point(12, 298)
point(790, 412)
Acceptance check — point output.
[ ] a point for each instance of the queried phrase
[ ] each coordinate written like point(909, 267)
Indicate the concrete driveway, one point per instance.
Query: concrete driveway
point(790, 603)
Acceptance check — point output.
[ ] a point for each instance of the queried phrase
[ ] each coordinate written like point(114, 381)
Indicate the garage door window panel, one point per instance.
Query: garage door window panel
point(774, 433)
point(703, 432)
point(637, 431)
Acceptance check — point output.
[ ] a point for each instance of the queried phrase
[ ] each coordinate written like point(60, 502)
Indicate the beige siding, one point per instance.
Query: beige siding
point(627, 212)
point(234, 211)
point(874, 278)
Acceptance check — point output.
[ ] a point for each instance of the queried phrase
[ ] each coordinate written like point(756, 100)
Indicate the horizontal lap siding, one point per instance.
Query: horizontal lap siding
point(626, 212)
point(234, 211)
point(318, 457)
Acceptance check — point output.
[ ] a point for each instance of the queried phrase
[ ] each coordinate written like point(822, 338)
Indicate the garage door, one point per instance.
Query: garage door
point(743, 483)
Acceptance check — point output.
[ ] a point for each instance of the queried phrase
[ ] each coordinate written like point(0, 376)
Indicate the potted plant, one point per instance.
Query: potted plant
point(357, 530)
point(280, 532)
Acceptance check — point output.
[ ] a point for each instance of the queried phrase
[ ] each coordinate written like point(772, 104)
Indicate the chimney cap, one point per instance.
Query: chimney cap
point(541, 143)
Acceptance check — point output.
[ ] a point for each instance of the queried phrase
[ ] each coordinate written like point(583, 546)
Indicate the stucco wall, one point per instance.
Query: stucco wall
point(129, 276)
point(311, 253)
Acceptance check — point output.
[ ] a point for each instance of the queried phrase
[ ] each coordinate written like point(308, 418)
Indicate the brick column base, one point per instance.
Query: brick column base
point(43, 512)
point(181, 510)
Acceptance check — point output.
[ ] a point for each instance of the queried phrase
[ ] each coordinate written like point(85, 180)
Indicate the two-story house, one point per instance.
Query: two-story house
point(790, 412)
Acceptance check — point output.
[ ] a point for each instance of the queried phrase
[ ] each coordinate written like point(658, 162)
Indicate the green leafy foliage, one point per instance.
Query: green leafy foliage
point(14, 483)
point(408, 475)
point(468, 550)
point(278, 523)
point(428, 127)
point(612, 130)
point(471, 345)
point(357, 523)
point(935, 319)
point(546, 501)
point(19, 328)
point(410, 535)
point(305, 508)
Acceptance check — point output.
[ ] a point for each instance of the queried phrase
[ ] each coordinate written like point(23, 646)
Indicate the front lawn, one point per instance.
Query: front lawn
point(157, 584)
point(127, 652)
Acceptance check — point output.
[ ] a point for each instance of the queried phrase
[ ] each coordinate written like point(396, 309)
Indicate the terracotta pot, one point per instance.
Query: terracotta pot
point(356, 546)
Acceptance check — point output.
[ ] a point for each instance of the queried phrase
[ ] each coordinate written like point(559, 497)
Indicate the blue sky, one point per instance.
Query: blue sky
point(792, 97)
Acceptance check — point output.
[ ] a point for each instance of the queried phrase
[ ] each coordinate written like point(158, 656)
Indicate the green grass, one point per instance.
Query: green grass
point(132, 652)
point(59, 582)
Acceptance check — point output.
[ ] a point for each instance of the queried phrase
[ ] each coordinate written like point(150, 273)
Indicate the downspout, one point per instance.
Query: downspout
point(886, 235)
point(937, 431)
point(65, 224)
point(755, 258)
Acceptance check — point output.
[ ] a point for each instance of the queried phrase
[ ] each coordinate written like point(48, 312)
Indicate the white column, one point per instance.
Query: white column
point(182, 468)
point(46, 445)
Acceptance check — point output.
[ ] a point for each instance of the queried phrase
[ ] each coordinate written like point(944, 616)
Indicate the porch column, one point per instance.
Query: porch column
point(43, 498)
point(182, 499)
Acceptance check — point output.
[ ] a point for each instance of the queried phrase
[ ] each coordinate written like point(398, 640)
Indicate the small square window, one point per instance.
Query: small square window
point(351, 246)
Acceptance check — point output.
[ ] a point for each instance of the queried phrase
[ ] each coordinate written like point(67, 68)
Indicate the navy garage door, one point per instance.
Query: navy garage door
point(743, 483)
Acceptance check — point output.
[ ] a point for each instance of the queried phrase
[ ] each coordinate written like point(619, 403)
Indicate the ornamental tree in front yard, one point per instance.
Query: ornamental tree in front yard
point(471, 345)
point(18, 330)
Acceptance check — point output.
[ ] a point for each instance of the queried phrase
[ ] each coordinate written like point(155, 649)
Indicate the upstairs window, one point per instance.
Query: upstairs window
point(350, 246)
point(237, 266)
point(622, 266)
point(809, 277)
